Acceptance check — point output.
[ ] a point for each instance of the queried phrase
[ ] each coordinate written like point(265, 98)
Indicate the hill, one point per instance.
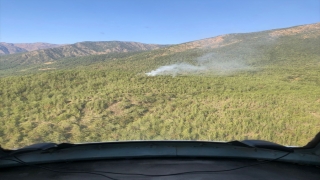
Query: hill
point(261, 85)
point(293, 47)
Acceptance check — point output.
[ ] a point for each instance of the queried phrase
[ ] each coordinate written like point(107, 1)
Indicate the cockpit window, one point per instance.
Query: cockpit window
point(94, 71)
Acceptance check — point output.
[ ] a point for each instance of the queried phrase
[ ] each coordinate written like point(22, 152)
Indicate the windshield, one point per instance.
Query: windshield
point(94, 71)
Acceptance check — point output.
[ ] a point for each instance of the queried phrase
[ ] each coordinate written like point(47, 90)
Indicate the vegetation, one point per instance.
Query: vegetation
point(112, 99)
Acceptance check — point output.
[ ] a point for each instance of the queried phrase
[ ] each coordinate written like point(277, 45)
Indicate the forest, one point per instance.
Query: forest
point(110, 98)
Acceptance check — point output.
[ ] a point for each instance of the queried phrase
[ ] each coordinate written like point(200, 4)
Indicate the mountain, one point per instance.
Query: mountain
point(253, 40)
point(12, 48)
point(73, 50)
point(9, 48)
point(37, 46)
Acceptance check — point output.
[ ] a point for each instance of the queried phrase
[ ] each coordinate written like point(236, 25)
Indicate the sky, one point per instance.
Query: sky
point(146, 21)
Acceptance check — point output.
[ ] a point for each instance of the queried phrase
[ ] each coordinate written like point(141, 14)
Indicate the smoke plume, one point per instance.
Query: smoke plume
point(210, 62)
point(174, 69)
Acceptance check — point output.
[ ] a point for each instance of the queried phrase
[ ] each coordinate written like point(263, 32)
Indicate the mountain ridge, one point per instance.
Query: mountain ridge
point(12, 48)
point(229, 39)
point(74, 50)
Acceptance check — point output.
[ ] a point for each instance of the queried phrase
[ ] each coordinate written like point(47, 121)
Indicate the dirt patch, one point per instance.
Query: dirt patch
point(45, 69)
point(115, 108)
point(317, 115)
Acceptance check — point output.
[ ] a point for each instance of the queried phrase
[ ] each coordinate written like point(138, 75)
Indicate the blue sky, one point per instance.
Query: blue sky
point(147, 21)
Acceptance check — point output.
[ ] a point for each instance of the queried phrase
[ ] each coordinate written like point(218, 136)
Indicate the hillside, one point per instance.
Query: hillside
point(261, 85)
point(73, 50)
point(12, 48)
point(290, 47)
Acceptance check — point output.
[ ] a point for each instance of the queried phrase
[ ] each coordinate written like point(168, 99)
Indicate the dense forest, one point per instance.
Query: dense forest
point(110, 98)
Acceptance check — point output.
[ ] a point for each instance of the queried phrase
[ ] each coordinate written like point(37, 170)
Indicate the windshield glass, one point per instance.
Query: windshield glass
point(93, 71)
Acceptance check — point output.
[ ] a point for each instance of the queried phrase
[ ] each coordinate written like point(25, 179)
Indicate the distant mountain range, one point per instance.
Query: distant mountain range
point(256, 48)
point(73, 50)
point(12, 48)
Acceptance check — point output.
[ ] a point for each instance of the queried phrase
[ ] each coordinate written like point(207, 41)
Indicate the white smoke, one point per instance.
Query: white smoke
point(174, 69)
point(209, 62)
